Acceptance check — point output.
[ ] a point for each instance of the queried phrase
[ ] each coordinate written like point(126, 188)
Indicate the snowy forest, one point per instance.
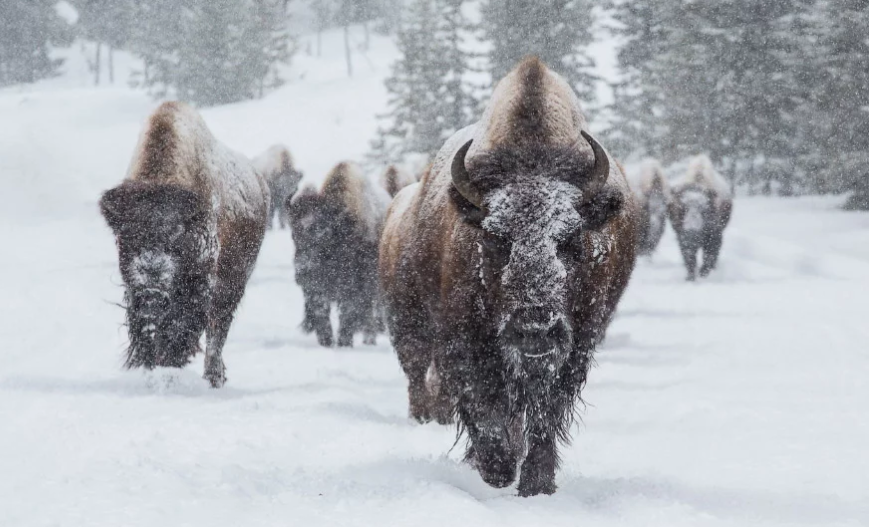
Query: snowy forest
point(773, 91)
point(432, 262)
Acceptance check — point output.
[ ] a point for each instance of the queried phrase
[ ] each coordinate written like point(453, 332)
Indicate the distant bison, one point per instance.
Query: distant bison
point(395, 178)
point(188, 220)
point(501, 270)
point(652, 193)
point(336, 231)
point(276, 165)
point(699, 210)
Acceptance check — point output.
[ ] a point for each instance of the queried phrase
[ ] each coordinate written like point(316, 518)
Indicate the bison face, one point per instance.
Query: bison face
point(530, 220)
point(693, 210)
point(319, 228)
point(163, 236)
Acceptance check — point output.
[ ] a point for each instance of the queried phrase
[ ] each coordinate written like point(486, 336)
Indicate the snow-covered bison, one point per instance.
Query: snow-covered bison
point(336, 231)
point(395, 178)
point(700, 209)
point(501, 270)
point(188, 221)
point(652, 194)
point(276, 166)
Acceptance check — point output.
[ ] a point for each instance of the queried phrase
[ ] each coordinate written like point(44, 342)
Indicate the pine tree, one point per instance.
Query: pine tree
point(429, 96)
point(713, 77)
point(28, 31)
point(558, 31)
point(211, 52)
point(637, 99)
point(109, 23)
point(835, 147)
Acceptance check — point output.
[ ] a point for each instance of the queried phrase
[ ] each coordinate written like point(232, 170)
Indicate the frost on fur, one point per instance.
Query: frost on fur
point(188, 220)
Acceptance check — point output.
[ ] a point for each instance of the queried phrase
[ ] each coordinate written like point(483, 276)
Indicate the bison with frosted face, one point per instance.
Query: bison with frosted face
point(699, 210)
point(188, 220)
point(500, 272)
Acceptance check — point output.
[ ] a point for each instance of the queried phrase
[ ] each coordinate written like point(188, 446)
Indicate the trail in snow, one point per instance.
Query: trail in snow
point(738, 400)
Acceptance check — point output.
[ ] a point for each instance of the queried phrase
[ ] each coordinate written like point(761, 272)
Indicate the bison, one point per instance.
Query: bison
point(276, 165)
point(188, 221)
point(500, 272)
point(652, 195)
point(336, 231)
point(699, 210)
point(395, 178)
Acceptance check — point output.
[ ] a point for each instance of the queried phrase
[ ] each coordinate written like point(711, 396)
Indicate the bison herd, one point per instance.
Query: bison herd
point(495, 275)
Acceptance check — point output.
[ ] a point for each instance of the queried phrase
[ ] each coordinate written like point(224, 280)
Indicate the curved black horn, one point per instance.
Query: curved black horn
point(461, 179)
point(601, 170)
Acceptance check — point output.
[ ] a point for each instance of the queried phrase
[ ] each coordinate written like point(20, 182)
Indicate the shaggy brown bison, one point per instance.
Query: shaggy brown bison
point(700, 209)
point(501, 270)
point(652, 195)
point(336, 230)
point(395, 178)
point(188, 221)
point(276, 166)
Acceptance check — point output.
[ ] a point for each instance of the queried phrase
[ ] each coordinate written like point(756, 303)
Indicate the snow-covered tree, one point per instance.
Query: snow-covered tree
point(558, 31)
point(109, 23)
point(834, 146)
point(213, 51)
point(28, 31)
point(429, 96)
point(713, 77)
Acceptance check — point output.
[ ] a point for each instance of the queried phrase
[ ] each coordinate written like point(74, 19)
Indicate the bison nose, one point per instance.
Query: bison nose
point(536, 333)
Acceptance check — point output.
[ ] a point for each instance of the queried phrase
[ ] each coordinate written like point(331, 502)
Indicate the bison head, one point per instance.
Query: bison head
point(320, 228)
point(530, 207)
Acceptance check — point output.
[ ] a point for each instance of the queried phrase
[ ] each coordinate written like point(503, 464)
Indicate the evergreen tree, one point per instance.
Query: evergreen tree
point(108, 22)
point(713, 77)
point(430, 98)
point(28, 30)
point(835, 144)
point(558, 31)
point(211, 52)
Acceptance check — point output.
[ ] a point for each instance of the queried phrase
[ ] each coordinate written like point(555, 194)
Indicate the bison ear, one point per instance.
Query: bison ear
point(469, 212)
point(600, 209)
point(113, 204)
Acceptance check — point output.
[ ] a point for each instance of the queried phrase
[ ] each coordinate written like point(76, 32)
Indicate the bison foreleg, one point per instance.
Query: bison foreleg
point(317, 318)
point(711, 248)
point(226, 298)
point(689, 255)
point(548, 420)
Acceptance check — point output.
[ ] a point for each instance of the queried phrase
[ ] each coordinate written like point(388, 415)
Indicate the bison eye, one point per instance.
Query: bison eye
point(497, 247)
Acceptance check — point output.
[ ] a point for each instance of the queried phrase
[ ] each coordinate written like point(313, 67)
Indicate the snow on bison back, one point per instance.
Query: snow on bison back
point(189, 220)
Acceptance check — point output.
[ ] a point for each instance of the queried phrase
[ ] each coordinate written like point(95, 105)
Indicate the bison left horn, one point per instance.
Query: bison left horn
point(462, 180)
point(601, 170)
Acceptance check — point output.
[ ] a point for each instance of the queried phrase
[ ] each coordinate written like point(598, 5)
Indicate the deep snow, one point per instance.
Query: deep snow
point(738, 400)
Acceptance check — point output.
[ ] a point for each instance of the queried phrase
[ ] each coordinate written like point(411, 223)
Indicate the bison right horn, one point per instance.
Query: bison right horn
point(601, 170)
point(461, 178)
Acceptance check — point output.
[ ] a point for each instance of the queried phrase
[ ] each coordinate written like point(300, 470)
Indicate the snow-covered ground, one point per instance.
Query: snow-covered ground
point(740, 400)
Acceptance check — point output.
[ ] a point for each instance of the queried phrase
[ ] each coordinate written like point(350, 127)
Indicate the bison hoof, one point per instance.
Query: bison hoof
point(215, 373)
point(526, 490)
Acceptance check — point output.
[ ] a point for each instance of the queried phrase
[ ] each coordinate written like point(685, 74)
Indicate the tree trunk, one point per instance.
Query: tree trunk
point(111, 65)
point(347, 49)
point(367, 36)
point(97, 63)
